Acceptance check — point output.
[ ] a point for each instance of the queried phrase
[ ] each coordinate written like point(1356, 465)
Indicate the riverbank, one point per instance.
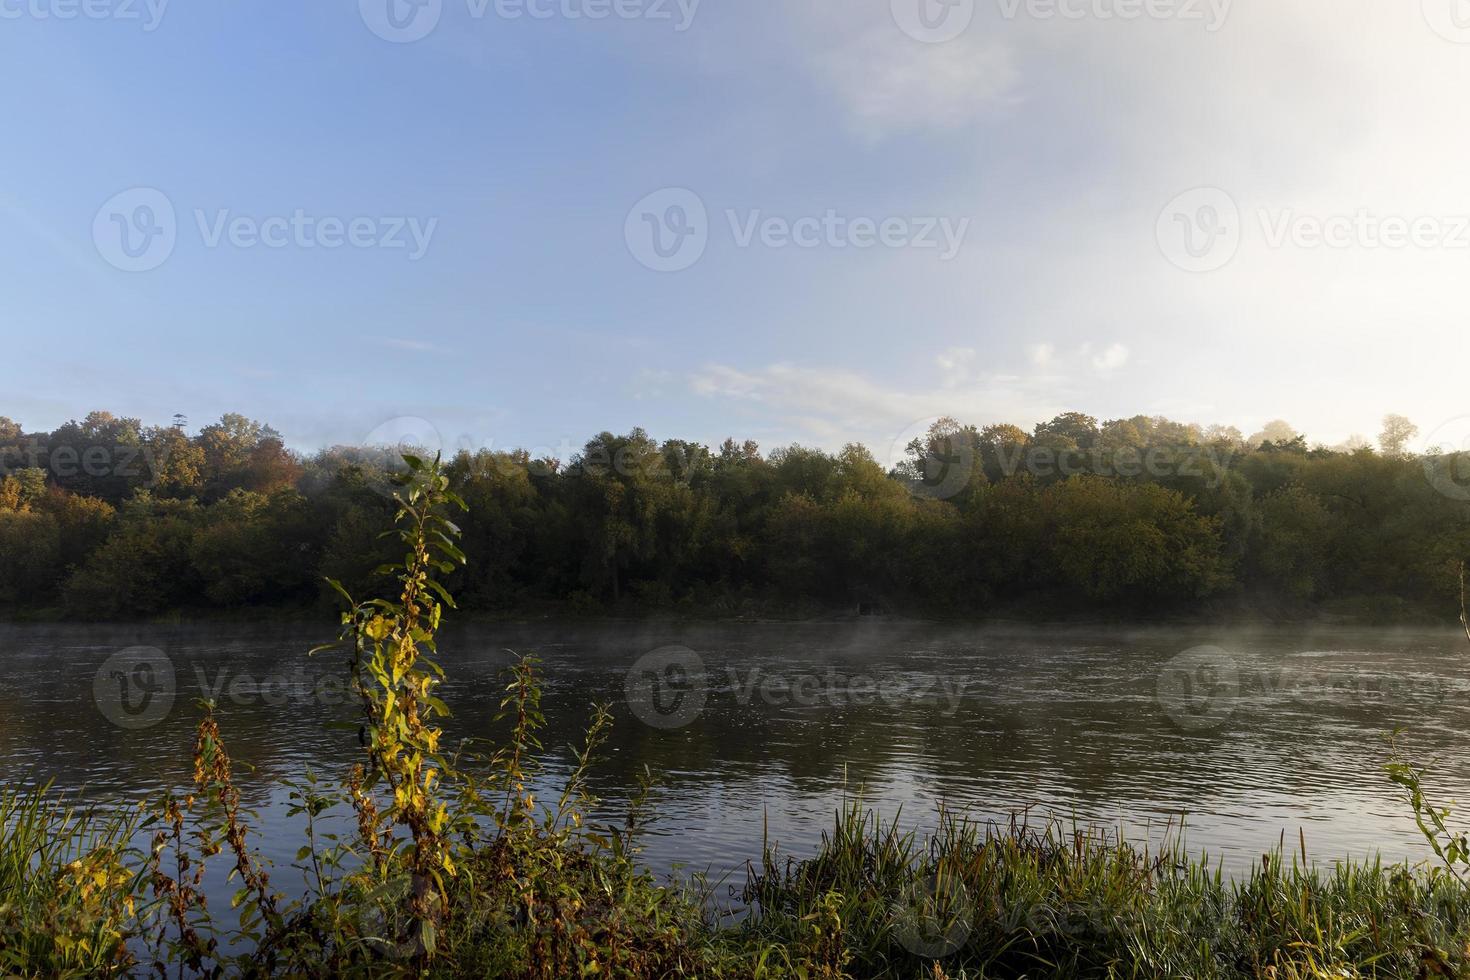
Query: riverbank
point(1362, 611)
point(539, 899)
point(489, 855)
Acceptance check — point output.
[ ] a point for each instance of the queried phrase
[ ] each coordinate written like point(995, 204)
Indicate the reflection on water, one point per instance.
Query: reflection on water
point(1249, 734)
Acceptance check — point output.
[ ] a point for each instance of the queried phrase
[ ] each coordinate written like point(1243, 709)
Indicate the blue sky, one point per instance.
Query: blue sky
point(1062, 153)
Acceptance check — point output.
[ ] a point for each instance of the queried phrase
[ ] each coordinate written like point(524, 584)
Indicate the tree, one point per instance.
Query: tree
point(269, 467)
point(1291, 545)
point(946, 463)
point(253, 547)
point(241, 453)
point(21, 489)
point(83, 523)
point(1002, 451)
point(1070, 430)
point(503, 518)
point(1227, 435)
point(30, 557)
point(1132, 543)
point(614, 487)
point(1397, 431)
point(177, 461)
point(1277, 431)
point(100, 456)
point(143, 567)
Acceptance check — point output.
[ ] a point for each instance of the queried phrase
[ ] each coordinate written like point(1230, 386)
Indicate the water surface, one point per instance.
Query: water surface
point(1249, 735)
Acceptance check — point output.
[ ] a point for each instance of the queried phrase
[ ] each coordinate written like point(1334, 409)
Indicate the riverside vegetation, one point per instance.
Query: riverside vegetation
point(106, 518)
point(453, 868)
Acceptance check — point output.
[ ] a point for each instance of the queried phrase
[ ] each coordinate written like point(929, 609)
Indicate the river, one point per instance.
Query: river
point(1247, 735)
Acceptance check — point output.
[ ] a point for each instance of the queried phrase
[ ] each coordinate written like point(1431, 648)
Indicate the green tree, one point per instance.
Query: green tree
point(144, 566)
point(1397, 431)
point(30, 558)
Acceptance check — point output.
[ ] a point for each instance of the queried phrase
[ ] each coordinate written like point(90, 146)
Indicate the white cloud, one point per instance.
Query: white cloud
point(833, 406)
point(411, 344)
point(1065, 139)
point(891, 84)
point(1114, 357)
point(956, 365)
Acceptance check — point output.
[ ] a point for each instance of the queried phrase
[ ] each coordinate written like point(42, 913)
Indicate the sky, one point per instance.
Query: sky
point(510, 223)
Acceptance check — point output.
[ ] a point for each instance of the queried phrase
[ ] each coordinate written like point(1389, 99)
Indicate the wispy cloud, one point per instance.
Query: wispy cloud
point(891, 85)
point(956, 365)
point(1113, 357)
point(410, 344)
point(830, 406)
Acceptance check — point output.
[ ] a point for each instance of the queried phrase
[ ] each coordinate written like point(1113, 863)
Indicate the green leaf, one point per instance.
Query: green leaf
point(340, 591)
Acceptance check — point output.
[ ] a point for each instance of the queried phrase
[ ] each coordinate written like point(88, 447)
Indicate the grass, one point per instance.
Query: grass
point(69, 878)
point(966, 900)
point(455, 869)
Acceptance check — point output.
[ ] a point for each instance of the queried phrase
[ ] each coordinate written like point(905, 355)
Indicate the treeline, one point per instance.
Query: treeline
point(109, 518)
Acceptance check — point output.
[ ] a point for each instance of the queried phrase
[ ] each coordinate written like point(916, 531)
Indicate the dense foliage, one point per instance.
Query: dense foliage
point(107, 517)
point(454, 868)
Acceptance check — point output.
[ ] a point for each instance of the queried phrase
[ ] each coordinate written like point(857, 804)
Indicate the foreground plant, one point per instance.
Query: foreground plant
point(70, 886)
point(395, 679)
point(455, 868)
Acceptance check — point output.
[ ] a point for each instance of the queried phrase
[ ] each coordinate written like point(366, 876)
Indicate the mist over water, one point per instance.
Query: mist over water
point(1266, 733)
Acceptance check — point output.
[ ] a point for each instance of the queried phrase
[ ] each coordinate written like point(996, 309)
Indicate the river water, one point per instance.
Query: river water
point(1247, 735)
